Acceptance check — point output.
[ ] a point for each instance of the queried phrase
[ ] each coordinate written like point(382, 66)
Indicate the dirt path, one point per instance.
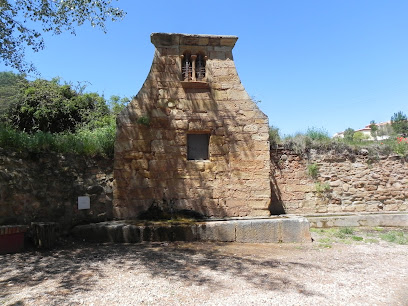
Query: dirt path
point(359, 273)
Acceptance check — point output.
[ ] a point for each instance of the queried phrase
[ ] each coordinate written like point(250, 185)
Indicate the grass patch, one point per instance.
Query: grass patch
point(348, 235)
point(98, 141)
point(371, 240)
point(395, 236)
point(346, 231)
point(325, 245)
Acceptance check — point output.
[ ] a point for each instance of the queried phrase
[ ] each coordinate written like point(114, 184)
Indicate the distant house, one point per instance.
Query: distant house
point(384, 130)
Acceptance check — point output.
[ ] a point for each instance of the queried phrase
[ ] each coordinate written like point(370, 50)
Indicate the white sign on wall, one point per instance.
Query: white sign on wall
point(84, 202)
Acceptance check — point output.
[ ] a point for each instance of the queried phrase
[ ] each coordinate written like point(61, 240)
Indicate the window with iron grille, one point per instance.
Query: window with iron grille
point(193, 67)
point(200, 67)
point(187, 68)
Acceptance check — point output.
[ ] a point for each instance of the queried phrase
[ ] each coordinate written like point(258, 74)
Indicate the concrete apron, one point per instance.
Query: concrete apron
point(254, 230)
point(386, 219)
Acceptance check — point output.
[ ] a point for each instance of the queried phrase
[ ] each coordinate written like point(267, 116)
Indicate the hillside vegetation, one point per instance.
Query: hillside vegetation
point(319, 139)
point(47, 116)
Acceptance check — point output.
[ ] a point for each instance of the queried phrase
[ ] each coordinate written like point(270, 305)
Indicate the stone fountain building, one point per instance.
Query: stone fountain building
point(192, 136)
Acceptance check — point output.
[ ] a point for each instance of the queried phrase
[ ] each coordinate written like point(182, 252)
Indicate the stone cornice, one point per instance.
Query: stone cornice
point(177, 39)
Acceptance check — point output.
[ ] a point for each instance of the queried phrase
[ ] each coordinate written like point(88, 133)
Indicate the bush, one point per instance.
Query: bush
point(317, 134)
point(360, 136)
point(274, 137)
point(313, 170)
point(48, 106)
point(400, 146)
point(348, 134)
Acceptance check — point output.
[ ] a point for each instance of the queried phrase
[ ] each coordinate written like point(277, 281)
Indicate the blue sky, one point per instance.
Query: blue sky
point(325, 64)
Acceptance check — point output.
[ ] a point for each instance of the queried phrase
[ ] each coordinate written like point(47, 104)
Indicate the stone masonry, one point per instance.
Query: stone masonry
point(192, 102)
point(345, 183)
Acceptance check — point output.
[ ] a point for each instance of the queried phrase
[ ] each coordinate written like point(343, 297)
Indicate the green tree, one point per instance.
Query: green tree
point(399, 123)
point(48, 16)
point(50, 107)
point(348, 134)
point(116, 104)
point(10, 88)
point(373, 129)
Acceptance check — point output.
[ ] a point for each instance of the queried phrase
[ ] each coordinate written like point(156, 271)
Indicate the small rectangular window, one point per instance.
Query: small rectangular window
point(197, 146)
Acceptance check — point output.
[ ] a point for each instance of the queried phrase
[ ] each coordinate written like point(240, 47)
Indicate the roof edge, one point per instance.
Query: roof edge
point(177, 39)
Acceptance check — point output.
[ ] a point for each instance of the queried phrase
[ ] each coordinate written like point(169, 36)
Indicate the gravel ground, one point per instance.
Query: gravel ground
point(359, 273)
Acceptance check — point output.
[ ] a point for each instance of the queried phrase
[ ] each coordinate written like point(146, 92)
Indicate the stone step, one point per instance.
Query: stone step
point(268, 230)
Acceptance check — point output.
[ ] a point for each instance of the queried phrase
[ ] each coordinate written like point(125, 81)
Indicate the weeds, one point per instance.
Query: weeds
point(322, 187)
point(319, 139)
point(348, 235)
point(313, 170)
point(395, 236)
point(98, 141)
point(346, 230)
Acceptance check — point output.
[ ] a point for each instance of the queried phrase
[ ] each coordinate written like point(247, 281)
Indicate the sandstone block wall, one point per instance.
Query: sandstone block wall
point(44, 187)
point(344, 183)
point(151, 145)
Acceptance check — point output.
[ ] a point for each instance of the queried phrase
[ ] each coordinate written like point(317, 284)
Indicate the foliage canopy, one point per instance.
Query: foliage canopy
point(50, 107)
point(46, 16)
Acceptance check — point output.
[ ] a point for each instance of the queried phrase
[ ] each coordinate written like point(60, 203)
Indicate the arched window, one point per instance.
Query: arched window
point(187, 67)
point(200, 67)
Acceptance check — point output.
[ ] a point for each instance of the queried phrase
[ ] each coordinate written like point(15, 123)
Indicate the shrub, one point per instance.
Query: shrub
point(400, 146)
point(348, 134)
point(317, 134)
point(274, 137)
point(48, 106)
point(359, 136)
point(313, 170)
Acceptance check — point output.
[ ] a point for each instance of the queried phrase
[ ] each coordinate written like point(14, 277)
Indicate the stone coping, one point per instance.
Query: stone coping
point(385, 219)
point(175, 39)
point(248, 230)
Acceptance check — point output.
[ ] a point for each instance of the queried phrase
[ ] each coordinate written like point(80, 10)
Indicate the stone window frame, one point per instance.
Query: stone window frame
point(191, 135)
point(193, 66)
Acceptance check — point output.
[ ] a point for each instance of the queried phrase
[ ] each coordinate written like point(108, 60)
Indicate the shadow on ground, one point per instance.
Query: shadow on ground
point(76, 266)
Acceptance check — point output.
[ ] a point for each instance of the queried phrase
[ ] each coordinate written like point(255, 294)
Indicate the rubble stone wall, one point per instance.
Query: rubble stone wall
point(344, 183)
point(45, 188)
point(151, 145)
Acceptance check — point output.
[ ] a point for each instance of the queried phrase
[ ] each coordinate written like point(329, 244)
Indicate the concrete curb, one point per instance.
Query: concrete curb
point(269, 230)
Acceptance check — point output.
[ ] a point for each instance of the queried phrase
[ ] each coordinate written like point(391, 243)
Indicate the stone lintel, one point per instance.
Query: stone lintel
point(177, 39)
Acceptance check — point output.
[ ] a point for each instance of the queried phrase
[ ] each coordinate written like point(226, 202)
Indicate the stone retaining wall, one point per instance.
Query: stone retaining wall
point(45, 187)
point(344, 183)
